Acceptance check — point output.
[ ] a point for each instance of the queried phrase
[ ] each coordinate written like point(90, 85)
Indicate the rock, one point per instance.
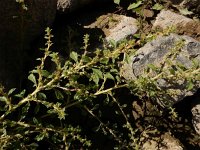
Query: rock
point(154, 53)
point(167, 18)
point(196, 113)
point(183, 25)
point(115, 27)
point(65, 6)
point(193, 5)
point(70, 5)
point(18, 28)
point(196, 118)
point(166, 142)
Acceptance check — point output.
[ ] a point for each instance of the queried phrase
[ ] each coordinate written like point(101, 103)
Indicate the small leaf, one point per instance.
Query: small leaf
point(45, 73)
point(152, 67)
point(24, 111)
point(32, 78)
point(113, 43)
point(134, 5)
point(42, 96)
point(37, 108)
point(21, 95)
point(95, 78)
point(185, 11)
point(104, 60)
point(117, 2)
point(172, 71)
point(34, 145)
point(157, 6)
point(114, 70)
point(98, 72)
point(74, 56)
point(190, 85)
point(109, 76)
point(58, 94)
point(35, 121)
point(40, 137)
point(86, 59)
point(11, 91)
point(3, 99)
point(95, 107)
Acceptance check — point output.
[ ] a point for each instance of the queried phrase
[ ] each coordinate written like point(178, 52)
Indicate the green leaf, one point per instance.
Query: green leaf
point(117, 2)
point(95, 107)
point(190, 85)
point(33, 146)
point(3, 99)
point(73, 55)
point(109, 76)
point(86, 59)
point(32, 78)
point(37, 108)
point(113, 43)
point(11, 91)
point(98, 73)
point(35, 121)
point(45, 73)
point(185, 11)
point(114, 70)
point(172, 71)
point(40, 137)
point(157, 6)
point(58, 94)
point(95, 78)
point(104, 60)
point(127, 59)
point(25, 111)
point(152, 67)
point(134, 5)
point(21, 95)
point(42, 96)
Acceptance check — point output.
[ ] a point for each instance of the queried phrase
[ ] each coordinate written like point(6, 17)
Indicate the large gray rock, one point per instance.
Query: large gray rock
point(18, 28)
point(155, 53)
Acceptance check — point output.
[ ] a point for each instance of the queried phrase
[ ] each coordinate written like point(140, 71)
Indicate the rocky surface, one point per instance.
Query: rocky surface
point(115, 27)
point(166, 142)
point(65, 6)
point(193, 5)
point(182, 24)
point(196, 114)
point(155, 52)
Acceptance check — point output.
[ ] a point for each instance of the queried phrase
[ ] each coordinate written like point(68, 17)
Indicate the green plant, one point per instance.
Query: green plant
point(88, 86)
point(68, 92)
point(89, 82)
